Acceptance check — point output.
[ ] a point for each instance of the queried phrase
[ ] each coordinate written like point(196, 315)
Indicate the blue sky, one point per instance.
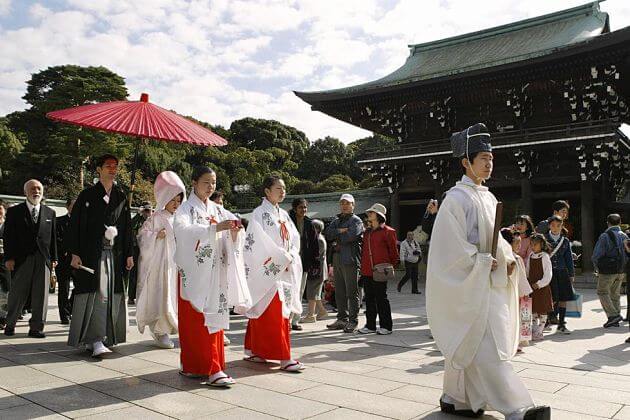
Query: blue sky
point(226, 59)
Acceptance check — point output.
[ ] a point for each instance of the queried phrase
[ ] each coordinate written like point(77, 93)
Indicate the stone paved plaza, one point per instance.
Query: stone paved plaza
point(582, 376)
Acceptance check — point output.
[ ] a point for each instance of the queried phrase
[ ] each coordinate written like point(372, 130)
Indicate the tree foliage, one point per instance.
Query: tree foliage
point(32, 146)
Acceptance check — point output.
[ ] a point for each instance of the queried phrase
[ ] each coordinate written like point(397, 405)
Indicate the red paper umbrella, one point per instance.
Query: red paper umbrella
point(140, 119)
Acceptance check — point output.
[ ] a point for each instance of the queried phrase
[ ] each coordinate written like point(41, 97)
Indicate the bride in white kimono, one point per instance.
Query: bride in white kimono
point(472, 302)
point(156, 306)
point(274, 273)
point(212, 278)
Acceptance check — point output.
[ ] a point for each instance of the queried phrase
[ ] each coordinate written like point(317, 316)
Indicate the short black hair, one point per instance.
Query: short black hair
point(269, 182)
point(297, 201)
point(217, 194)
point(614, 219)
point(100, 161)
point(555, 218)
point(471, 158)
point(201, 170)
point(559, 205)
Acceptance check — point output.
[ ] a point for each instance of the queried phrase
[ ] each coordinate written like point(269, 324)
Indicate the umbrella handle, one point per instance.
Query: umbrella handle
point(133, 172)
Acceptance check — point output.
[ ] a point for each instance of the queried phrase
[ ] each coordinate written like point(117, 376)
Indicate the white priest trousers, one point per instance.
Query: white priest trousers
point(488, 381)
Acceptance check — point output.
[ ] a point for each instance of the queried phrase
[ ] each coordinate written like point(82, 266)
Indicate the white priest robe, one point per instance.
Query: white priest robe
point(273, 264)
point(473, 311)
point(210, 263)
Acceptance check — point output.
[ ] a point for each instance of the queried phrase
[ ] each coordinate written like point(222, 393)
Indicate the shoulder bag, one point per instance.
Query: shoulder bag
point(380, 272)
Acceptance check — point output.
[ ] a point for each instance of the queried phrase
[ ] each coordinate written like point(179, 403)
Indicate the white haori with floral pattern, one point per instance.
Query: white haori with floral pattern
point(210, 263)
point(272, 257)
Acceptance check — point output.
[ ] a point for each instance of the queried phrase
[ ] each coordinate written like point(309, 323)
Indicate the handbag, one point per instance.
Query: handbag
point(574, 307)
point(380, 272)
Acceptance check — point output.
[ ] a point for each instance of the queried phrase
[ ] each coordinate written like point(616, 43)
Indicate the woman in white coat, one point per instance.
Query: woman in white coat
point(157, 281)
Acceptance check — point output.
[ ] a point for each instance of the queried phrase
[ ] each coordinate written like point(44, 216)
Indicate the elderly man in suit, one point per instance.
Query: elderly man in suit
point(30, 251)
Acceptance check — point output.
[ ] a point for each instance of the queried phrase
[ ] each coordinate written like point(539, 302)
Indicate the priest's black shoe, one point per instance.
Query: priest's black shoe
point(538, 413)
point(36, 334)
point(450, 409)
point(65, 321)
point(9, 331)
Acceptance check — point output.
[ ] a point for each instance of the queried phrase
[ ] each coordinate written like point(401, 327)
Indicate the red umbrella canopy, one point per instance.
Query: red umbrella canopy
point(138, 118)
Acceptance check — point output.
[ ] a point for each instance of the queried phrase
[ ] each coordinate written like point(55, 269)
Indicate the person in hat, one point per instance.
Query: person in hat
point(379, 248)
point(157, 275)
point(136, 223)
point(345, 233)
point(472, 301)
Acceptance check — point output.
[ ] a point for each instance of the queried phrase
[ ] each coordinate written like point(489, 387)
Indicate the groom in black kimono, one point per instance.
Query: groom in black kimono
point(99, 239)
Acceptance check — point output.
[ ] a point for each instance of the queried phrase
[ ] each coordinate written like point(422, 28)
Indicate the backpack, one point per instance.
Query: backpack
point(611, 264)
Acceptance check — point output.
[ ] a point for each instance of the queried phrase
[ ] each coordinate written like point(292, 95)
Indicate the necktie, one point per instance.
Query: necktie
point(34, 214)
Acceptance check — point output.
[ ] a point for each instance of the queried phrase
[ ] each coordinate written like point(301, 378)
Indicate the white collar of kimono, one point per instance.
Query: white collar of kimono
point(537, 254)
point(276, 209)
point(196, 202)
point(467, 181)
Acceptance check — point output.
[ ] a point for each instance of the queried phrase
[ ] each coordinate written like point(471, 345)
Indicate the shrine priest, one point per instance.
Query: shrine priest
point(274, 275)
point(472, 303)
point(99, 239)
point(212, 279)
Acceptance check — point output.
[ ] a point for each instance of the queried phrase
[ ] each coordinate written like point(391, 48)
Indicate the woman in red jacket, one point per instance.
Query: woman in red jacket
point(379, 247)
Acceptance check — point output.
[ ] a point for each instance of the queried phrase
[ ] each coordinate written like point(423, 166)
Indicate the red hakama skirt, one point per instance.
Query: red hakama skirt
point(268, 336)
point(202, 353)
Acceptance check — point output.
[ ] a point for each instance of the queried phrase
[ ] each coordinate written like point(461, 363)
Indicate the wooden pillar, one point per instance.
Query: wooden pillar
point(588, 227)
point(604, 197)
point(394, 220)
point(526, 197)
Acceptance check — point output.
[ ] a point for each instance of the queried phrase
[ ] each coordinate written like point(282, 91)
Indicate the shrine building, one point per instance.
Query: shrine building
point(553, 90)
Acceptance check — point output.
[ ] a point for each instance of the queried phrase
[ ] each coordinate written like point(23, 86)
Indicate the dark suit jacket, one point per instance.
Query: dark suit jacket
point(309, 245)
point(90, 215)
point(65, 257)
point(22, 237)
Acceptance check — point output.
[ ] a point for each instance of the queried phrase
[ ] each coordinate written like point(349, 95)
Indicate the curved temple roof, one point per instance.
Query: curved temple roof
point(505, 44)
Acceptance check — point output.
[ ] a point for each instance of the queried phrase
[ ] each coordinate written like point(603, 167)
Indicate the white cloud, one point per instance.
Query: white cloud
point(5, 7)
point(219, 60)
point(265, 15)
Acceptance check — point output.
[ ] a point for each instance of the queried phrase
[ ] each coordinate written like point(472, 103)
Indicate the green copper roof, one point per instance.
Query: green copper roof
point(505, 44)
